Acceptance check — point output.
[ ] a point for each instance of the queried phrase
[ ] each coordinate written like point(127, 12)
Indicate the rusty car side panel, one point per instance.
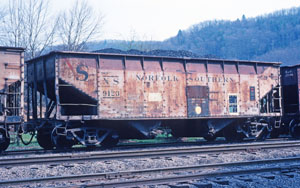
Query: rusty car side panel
point(215, 82)
point(174, 86)
point(81, 73)
point(231, 85)
point(10, 66)
point(144, 87)
point(111, 78)
point(248, 78)
point(268, 77)
point(197, 90)
point(155, 100)
point(134, 87)
point(248, 107)
point(11, 85)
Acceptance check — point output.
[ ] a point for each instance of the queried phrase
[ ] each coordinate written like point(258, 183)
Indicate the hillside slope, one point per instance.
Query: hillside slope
point(272, 37)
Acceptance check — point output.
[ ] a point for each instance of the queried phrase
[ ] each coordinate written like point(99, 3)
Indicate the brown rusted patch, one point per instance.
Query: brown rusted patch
point(155, 101)
point(175, 84)
point(268, 78)
point(215, 82)
point(197, 92)
point(140, 87)
point(134, 88)
point(10, 66)
point(248, 107)
point(231, 88)
point(111, 88)
point(81, 73)
point(11, 84)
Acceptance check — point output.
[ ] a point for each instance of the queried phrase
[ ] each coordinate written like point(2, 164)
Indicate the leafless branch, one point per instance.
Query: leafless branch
point(2, 13)
point(28, 25)
point(78, 26)
point(2, 17)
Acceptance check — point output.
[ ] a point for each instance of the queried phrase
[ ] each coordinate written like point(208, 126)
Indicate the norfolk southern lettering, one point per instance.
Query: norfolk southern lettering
point(156, 78)
point(210, 79)
point(175, 78)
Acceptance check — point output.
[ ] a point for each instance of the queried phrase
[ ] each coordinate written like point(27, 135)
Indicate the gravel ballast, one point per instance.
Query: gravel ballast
point(35, 171)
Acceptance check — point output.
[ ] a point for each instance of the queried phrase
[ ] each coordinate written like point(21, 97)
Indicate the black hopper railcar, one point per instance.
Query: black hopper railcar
point(290, 79)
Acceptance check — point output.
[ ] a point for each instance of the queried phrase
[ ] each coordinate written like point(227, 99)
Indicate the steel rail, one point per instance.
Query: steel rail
point(168, 143)
point(99, 148)
point(264, 166)
point(189, 177)
point(72, 158)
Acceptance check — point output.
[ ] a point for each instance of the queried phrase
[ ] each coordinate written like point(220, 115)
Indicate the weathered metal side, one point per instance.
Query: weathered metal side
point(298, 84)
point(11, 85)
point(291, 99)
point(95, 86)
point(74, 96)
point(111, 87)
point(290, 87)
point(134, 88)
point(11, 93)
point(197, 89)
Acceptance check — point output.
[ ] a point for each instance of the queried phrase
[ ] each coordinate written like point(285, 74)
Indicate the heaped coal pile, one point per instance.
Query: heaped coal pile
point(110, 50)
point(161, 53)
point(173, 53)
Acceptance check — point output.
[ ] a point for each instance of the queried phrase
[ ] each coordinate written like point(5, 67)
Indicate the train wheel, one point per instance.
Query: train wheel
point(44, 139)
point(175, 133)
point(294, 127)
point(4, 140)
point(232, 135)
point(60, 141)
point(210, 137)
point(275, 133)
point(263, 135)
point(110, 141)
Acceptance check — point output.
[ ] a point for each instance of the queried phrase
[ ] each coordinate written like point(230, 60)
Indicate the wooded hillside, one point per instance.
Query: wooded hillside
point(272, 37)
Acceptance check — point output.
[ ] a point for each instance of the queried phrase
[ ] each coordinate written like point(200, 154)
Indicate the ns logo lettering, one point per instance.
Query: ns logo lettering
point(80, 73)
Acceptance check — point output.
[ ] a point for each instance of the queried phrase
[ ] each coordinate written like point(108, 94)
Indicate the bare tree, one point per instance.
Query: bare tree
point(2, 13)
point(2, 16)
point(131, 42)
point(78, 26)
point(12, 26)
point(28, 25)
point(38, 27)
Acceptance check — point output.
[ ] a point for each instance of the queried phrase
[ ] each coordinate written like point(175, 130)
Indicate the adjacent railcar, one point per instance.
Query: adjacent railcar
point(291, 97)
point(97, 98)
point(11, 92)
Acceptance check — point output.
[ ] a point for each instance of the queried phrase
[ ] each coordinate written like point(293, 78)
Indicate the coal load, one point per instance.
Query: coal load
point(160, 53)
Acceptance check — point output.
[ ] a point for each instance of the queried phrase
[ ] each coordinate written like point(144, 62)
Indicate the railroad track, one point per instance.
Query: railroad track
point(97, 156)
point(166, 175)
point(121, 146)
point(168, 143)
